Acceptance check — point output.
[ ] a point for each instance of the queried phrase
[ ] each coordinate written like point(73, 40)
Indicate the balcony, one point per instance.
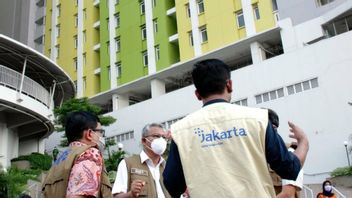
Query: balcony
point(173, 38)
point(96, 25)
point(96, 47)
point(96, 3)
point(11, 79)
point(97, 71)
point(171, 12)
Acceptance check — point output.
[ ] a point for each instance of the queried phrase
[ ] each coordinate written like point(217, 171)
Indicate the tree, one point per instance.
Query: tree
point(73, 105)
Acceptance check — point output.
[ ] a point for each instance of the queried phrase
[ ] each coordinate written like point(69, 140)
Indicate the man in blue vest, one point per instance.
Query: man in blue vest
point(222, 150)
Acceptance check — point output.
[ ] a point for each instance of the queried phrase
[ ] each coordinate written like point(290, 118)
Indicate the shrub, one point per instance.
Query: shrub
point(13, 182)
point(342, 171)
point(37, 160)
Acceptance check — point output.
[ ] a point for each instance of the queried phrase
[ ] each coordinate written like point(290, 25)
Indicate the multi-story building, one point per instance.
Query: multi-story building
point(296, 63)
point(24, 22)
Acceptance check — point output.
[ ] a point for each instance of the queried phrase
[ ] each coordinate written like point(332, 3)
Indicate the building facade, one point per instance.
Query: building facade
point(24, 21)
point(296, 64)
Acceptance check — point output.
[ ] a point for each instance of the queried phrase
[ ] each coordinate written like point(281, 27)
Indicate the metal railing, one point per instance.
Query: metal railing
point(338, 192)
point(306, 189)
point(12, 79)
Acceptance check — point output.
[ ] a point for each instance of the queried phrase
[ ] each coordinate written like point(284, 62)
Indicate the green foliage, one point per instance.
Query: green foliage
point(38, 161)
point(13, 182)
point(342, 171)
point(78, 104)
point(112, 162)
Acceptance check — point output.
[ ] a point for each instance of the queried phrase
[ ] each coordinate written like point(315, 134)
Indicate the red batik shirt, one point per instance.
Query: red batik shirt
point(85, 173)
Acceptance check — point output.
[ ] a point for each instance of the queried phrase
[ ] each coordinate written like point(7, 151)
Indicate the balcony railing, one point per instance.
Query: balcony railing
point(12, 79)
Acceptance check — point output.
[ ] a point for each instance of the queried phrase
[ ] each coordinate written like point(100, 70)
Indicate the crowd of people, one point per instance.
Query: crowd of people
point(220, 150)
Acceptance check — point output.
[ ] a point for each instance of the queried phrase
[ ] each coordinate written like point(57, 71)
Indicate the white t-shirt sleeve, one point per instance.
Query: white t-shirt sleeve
point(120, 185)
point(298, 183)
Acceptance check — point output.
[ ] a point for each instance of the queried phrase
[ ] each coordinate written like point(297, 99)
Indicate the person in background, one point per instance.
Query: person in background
point(55, 153)
point(222, 150)
point(327, 190)
point(141, 175)
point(285, 188)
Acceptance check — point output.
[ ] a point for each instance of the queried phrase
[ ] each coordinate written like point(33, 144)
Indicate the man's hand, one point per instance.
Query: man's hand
point(136, 188)
point(302, 142)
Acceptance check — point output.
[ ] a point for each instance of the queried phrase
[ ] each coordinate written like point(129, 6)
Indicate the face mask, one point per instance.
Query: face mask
point(100, 143)
point(158, 146)
point(328, 188)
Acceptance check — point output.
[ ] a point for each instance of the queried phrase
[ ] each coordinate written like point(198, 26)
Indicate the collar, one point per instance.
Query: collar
point(144, 157)
point(214, 101)
point(77, 143)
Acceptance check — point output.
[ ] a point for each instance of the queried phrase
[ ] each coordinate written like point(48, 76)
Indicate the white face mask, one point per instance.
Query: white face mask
point(328, 188)
point(100, 143)
point(158, 145)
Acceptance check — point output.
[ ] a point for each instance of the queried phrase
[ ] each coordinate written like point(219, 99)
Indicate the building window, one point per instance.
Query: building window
point(117, 20)
point(109, 74)
point(107, 22)
point(75, 41)
point(324, 2)
point(190, 38)
point(117, 44)
point(256, 12)
point(84, 36)
point(58, 11)
point(76, 20)
point(108, 47)
point(84, 83)
point(274, 4)
point(157, 52)
point(203, 34)
point(118, 69)
point(145, 58)
point(188, 10)
point(84, 59)
point(302, 86)
point(155, 24)
point(144, 32)
point(57, 50)
point(270, 95)
point(240, 19)
point(242, 102)
point(200, 6)
point(57, 30)
point(75, 64)
point(142, 7)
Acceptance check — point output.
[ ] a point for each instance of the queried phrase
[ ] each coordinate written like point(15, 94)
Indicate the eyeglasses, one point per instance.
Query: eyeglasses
point(156, 136)
point(101, 131)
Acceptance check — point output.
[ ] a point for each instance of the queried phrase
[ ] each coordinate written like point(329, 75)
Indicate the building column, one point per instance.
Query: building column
point(4, 154)
point(80, 62)
point(157, 88)
point(257, 52)
point(53, 35)
point(119, 101)
point(41, 145)
point(150, 36)
point(248, 17)
point(288, 35)
point(195, 28)
point(112, 47)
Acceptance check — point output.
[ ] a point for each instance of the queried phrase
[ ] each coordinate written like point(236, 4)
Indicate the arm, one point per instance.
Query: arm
point(302, 142)
point(174, 179)
point(283, 162)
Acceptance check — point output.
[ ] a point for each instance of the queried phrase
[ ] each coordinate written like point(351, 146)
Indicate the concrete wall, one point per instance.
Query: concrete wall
point(303, 10)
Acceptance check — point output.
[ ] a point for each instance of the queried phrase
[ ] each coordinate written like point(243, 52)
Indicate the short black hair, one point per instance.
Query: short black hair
point(210, 76)
point(273, 117)
point(77, 122)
